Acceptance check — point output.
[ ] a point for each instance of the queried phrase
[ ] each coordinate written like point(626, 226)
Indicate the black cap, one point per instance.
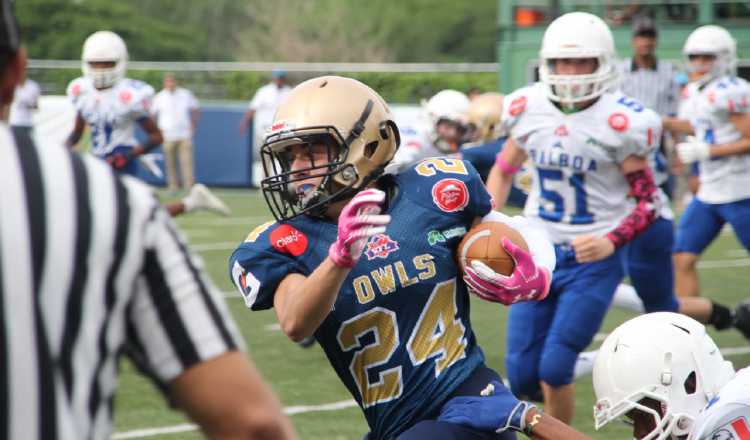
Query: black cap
point(10, 36)
point(644, 26)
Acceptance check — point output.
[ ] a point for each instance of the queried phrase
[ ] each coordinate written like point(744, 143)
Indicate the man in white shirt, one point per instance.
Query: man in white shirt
point(176, 111)
point(25, 102)
point(261, 110)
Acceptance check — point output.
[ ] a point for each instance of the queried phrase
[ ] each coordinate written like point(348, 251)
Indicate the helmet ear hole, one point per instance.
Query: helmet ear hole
point(690, 383)
point(370, 149)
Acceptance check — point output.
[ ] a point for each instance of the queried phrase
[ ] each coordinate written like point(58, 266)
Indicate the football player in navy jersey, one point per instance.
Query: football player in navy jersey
point(353, 259)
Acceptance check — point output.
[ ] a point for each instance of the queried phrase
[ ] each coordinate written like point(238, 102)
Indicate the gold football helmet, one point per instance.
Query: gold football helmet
point(484, 117)
point(347, 117)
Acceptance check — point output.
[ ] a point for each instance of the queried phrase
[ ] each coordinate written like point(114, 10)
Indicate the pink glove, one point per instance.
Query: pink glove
point(527, 282)
point(359, 220)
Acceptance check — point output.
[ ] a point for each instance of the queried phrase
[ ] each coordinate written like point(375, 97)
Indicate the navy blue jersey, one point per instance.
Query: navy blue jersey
point(399, 335)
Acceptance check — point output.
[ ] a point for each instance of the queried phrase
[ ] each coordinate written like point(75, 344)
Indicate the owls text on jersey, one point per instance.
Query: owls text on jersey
point(111, 113)
point(399, 335)
point(723, 179)
point(727, 416)
point(579, 187)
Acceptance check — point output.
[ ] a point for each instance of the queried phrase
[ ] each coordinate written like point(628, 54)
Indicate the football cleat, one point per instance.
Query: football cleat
point(201, 198)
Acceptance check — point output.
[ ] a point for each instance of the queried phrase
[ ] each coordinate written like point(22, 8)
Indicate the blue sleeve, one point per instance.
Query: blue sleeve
point(483, 156)
point(257, 268)
point(447, 185)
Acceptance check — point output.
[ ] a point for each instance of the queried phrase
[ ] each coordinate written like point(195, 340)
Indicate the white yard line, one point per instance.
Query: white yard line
point(250, 222)
point(186, 427)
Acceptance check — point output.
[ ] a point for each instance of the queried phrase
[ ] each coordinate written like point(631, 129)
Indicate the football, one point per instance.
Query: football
point(483, 242)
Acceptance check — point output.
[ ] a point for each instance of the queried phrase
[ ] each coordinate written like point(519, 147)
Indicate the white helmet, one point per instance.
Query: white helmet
point(577, 35)
point(104, 46)
point(663, 356)
point(713, 40)
point(446, 105)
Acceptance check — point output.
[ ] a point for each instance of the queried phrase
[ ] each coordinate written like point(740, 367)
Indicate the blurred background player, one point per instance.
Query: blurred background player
point(589, 148)
point(260, 113)
point(349, 261)
point(112, 105)
point(439, 133)
point(720, 124)
point(484, 140)
point(25, 103)
point(176, 111)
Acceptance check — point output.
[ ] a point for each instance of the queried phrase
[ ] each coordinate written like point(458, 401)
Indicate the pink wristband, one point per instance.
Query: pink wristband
point(505, 167)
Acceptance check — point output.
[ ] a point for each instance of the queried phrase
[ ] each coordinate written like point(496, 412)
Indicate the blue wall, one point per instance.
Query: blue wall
point(221, 155)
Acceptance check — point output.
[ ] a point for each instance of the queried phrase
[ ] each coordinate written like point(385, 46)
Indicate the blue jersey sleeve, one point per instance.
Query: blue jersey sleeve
point(483, 156)
point(447, 185)
point(257, 266)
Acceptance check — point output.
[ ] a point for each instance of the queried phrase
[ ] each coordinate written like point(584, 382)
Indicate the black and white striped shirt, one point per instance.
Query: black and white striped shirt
point(657, 88)
point(90, 263)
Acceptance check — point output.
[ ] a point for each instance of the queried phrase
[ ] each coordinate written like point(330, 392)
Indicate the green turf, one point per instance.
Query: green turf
point(303, 377)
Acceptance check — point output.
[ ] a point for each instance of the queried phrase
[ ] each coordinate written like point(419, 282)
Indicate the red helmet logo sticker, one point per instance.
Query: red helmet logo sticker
point(450, 195)
point(618, 122)
point(288, 240)
point(380, 246)
point(517, 106)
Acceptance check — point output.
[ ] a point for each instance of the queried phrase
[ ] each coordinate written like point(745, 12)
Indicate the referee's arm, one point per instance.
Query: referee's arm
point(185, 335)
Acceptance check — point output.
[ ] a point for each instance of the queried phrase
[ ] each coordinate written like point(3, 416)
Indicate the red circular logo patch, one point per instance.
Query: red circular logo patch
point(450, 195)
point(289, 240)
point(126, 96)
point(517, 106)
point(618, 122)
point(75, 90)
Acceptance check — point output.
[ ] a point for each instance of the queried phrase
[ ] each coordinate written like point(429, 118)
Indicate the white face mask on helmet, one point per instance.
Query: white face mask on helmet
point(104, 46)
point(712, 40)
point(666, 357)
point(446, 105)
point(577, 35)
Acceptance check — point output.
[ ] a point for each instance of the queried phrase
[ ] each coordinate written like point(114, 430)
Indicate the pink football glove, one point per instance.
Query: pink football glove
point(359, 220)
point(527, 282)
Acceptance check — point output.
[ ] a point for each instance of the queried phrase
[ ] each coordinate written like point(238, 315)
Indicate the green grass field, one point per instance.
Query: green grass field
point(303, 377)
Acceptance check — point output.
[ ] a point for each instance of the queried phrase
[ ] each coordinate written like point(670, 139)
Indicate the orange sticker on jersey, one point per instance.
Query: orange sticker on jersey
point(517, 106)
point(618, 122)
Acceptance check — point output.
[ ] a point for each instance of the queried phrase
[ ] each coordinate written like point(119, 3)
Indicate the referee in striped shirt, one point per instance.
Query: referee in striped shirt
point(648, 79)
point(91, 265)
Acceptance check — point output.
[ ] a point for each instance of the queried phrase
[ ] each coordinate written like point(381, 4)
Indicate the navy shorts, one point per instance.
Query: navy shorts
point(434, 430)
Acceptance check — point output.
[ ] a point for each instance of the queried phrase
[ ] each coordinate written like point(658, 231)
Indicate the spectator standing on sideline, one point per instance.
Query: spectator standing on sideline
point(90, 264)
point(25, 102)
point(260, 111)
point(176, 111)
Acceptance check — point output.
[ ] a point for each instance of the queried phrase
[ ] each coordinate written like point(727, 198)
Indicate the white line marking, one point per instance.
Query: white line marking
point(275, 327)
point(247, 221)
point(220, 246)
point(722, 264)
point(735, 351)
point(187, 427)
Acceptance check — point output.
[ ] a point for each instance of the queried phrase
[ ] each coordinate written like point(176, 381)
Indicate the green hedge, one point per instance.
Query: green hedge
point(395, 87)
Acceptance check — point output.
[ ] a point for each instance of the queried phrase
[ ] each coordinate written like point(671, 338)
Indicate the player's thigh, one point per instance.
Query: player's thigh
point(737, 214)
point(437, 430)
point(698, 227)
point(580, 311)
point(649, 265)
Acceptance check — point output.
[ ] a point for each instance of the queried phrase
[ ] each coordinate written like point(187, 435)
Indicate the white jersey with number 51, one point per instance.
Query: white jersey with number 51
point(579, 187)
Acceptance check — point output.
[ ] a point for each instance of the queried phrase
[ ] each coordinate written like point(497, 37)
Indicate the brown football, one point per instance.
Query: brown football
point(483, 242)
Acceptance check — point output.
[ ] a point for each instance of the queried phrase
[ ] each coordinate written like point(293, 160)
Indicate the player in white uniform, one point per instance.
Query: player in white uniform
point(589, 149)
point(720, 124)
point(438, 134)
point(111, 105)
point(661, 372)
